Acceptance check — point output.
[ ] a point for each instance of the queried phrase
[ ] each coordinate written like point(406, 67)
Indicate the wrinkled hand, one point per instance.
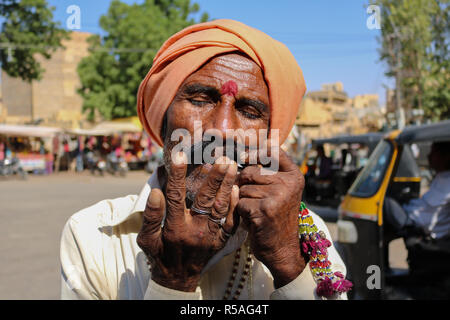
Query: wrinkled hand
point(180, 249)
point(269, 206)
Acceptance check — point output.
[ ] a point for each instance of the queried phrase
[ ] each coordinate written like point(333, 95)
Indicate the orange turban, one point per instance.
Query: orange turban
point(186, 51)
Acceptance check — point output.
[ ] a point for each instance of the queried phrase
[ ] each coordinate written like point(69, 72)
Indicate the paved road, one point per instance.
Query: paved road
point(33, 213)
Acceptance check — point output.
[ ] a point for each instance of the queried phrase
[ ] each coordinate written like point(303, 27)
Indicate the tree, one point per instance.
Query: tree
point(118, 61)
point(414, 44)
point(437, 88)
point(27, 30)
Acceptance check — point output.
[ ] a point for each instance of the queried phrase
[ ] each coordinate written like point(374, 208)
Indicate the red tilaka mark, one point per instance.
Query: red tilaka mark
point(230, 87)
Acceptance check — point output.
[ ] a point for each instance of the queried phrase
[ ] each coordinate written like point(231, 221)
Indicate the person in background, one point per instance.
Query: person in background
point(431, 212)
point(318, 179)
point(2, 150)
point(325, 164)
point(56, 150)
point(49, 162)
point(42, 147)
point(424, 224)
point(66, 153)
point(8, 153)
point(79, 154)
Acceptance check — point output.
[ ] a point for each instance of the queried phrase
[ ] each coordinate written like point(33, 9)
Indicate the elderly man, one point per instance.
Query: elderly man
point(209, 230)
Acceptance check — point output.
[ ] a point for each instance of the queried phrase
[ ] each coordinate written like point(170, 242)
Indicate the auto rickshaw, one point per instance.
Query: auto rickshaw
point(329, 192)
point(363, 236)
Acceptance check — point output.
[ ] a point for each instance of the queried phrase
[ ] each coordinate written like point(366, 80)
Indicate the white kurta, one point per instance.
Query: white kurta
point(432, 210)
point(100, 259)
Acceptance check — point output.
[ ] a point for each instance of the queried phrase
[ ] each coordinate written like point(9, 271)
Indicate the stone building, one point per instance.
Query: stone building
point(53, 100)
point(330, 112)
point(2, 109)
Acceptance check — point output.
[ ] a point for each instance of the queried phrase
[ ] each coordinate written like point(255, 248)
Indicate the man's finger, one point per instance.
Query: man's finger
point(232, 221)
point(248, 208)
point(154, 210)
point(254, 191)
point(252, 175)
point(223, 196)
point(176, 187)
point(206, 196)
point(153, 217)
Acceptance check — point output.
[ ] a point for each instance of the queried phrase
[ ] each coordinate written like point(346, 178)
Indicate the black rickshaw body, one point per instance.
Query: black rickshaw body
point(363, 235)
point(328, 191)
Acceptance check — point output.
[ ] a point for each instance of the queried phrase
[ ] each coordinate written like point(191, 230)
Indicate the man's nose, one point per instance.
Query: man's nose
point(224, 117)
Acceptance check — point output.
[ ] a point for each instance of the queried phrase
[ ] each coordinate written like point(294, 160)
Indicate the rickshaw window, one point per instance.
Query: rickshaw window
point(369, 180)
point(408, 165)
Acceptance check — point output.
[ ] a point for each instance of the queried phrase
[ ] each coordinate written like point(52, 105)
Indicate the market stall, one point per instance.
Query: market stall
point(32, 145)
point(128, 139)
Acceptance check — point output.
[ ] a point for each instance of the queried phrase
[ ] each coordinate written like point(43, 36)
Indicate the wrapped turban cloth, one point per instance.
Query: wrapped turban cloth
point(186, 51)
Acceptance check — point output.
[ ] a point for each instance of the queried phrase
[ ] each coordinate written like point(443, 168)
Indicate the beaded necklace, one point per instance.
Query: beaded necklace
point(245, 273)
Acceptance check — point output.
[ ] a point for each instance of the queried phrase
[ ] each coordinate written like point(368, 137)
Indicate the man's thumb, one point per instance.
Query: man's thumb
point(154, 211)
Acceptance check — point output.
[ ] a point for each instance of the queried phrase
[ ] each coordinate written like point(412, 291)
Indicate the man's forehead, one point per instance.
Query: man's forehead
point(232, 66)
point(235, 61)
point(231, 63)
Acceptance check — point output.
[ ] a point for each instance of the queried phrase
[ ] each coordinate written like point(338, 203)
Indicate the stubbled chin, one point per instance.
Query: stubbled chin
point(196, 175)
point(199, 171)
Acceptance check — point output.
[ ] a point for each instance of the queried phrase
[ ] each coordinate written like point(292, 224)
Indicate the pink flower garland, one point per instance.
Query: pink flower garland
point(314, 245)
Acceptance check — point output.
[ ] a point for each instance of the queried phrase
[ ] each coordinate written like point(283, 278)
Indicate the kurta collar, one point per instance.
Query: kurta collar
point(121, 213)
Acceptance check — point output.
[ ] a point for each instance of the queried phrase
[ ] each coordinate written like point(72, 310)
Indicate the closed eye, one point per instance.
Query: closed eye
point(252, 109)
point(199, 103)
point(200, 95)
point(252, 114)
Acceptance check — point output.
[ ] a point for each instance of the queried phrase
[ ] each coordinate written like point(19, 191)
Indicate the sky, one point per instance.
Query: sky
point(329, 39)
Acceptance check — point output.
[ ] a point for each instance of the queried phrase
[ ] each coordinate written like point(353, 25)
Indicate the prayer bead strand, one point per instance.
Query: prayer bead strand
point(244, 276)
point(250, 278)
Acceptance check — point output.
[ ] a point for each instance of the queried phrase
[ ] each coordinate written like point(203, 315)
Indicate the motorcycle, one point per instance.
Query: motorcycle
point(95, 163)
point(116, 164)
point(9, 167)
point(153, 163)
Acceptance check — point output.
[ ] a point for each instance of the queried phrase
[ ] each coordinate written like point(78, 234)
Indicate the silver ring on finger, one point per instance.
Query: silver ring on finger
point(220, 221)
point(200, 211)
